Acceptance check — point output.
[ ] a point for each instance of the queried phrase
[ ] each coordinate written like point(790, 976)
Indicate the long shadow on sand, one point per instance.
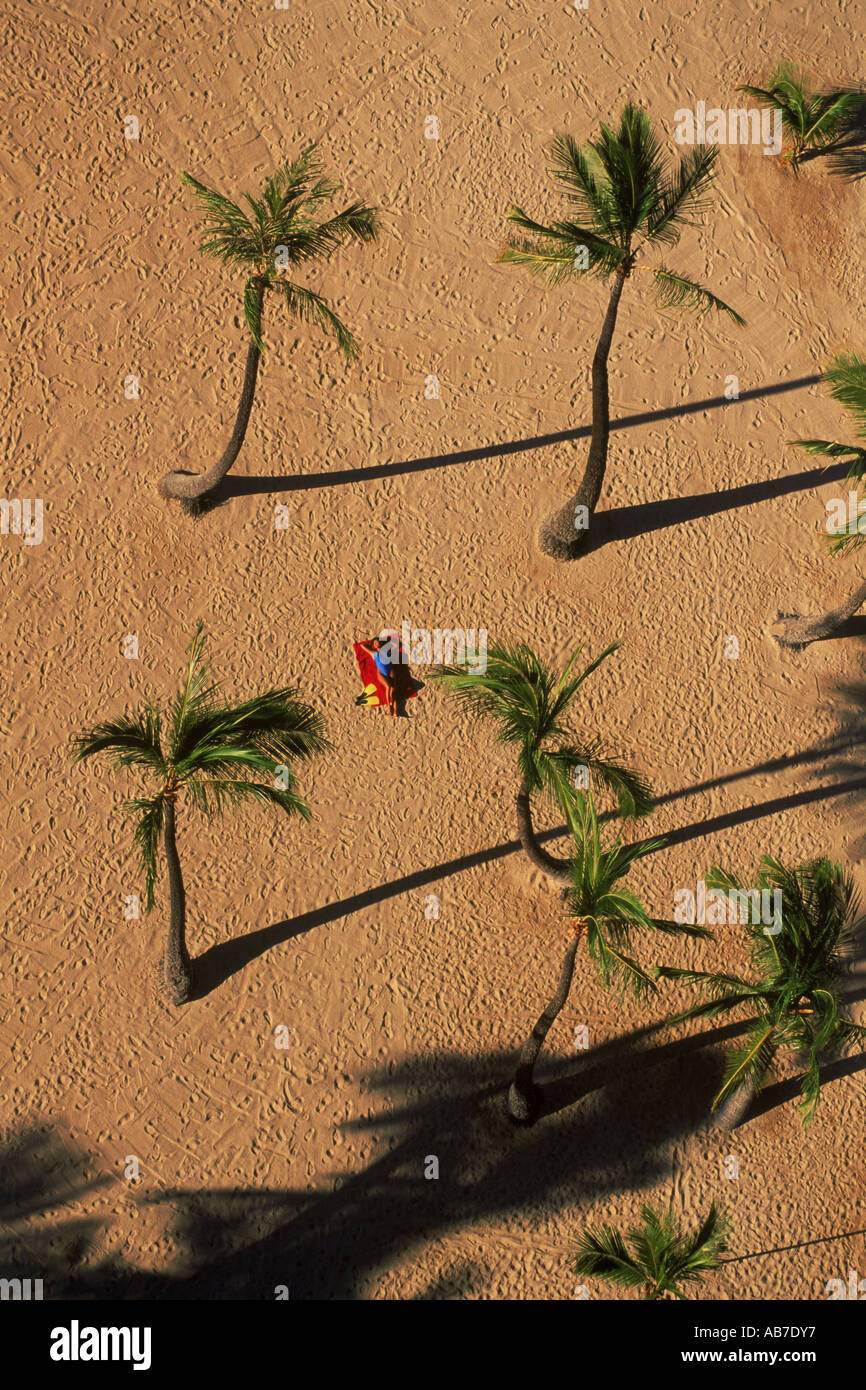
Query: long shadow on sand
point(851, 708)
point(324, 1242)
point(335, 1240)
point(623, 523)
point(220, 962)
point(785, 1092)
point(239, 486)
point(487, 1170)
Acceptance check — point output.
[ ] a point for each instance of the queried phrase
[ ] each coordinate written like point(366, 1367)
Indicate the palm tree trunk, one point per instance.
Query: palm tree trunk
point(557, 869)
point(191, 489)
point(524, 1096)
point(799, 632)
point(733, 1111)
point(178, 969)
point(558, 535)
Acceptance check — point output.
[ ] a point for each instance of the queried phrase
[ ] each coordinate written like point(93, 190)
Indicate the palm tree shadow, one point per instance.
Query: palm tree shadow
point(625, 523)
point(41, 1174)
point(712, 825)
point(845, 748)
point(852, 627)
point(782, 1092)
point(220, 962)
point(672, 1057)
point(459, 1281)
point(38, 1170)
point(445, 1162)
point(234, 485)
point(344, 1238)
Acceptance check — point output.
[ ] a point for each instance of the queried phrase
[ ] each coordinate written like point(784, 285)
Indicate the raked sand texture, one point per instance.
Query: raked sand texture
point(304, 1166)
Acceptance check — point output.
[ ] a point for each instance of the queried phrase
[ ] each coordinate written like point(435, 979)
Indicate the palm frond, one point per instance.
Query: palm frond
point(285, 218)
point(228, 234)
point(253, 311)
point(661, 1257)
point(132, 740)
point(219, 752)
point(272, 727)
point(602, 1254)
point(678, 292)
point(529, 706)
point(555, 769)
point(812, 120)
point(851, 538)
point(148, 813)
point(554, 252)
point(297, 182)
point(212, 795)
point(585, 184)
point(701, 1253)
point(634, 165)
point(846, 377)
point(609, 912)
point(357, 222)
point(747, 1065)
point(197, 693)
point(312, 308)
point(845, 374)
point(614, 965)
point(683, 195)
point(619, 185)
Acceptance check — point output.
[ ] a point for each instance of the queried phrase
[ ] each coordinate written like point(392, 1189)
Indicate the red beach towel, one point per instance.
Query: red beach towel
point(374, 687)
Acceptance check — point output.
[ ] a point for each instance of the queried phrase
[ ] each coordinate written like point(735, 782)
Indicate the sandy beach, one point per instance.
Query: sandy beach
point(401, 937)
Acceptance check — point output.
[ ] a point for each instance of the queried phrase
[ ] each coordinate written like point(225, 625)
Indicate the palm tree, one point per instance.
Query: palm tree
point(283, 228)
point(622, 198)
point(816, 123)
point(846, 376)
point(216, 751)
point(661, 1259)
point(531, 708)
point(603, 914)
point(797, 968)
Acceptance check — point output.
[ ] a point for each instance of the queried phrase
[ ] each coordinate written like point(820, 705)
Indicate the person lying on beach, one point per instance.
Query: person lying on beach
point(382, 649)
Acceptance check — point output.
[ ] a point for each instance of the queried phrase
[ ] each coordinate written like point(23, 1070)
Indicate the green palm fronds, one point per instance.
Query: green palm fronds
point(846, 377)
point(147, 812)
point(223, 754)
point(797, 967)
point(620, 188)
point(845, 374)
point(609, 913)
point(813, 121)
point(280, 228)
point(656, 1256)
point(679, 292)
point(531, 707)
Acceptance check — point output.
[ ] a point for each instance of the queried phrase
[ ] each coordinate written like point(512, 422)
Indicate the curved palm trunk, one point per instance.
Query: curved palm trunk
point(799, 632)
point(558, 536)
point(178, 969)
point(192, 489)
point(524, 1096)
point(557, 869)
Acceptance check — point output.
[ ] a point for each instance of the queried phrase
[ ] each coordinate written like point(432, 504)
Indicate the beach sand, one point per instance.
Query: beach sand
point(304, 1166)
